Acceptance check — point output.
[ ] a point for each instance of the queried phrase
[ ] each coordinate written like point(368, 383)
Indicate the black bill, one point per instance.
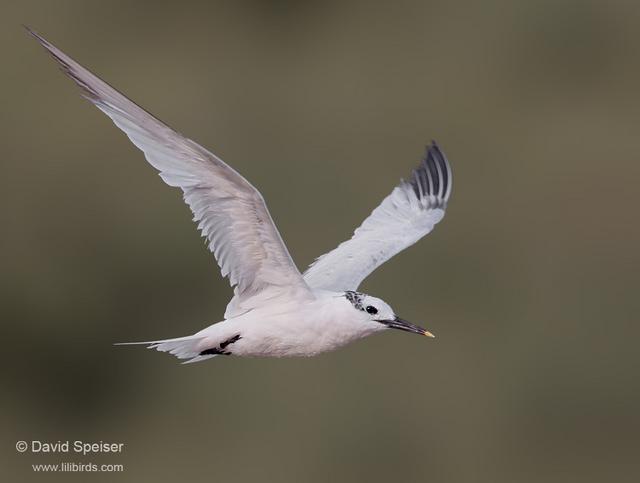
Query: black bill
point(402, 324)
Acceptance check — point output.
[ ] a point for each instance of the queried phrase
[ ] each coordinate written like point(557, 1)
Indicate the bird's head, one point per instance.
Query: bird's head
point(378, 311)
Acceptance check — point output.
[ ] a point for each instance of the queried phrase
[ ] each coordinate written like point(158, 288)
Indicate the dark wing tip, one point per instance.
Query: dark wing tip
point(49, 47)
point(37, 36)
point(68, 67)
point(433, 176)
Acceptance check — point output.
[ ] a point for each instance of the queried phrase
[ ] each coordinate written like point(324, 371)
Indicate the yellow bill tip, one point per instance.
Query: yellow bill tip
point(429, 334)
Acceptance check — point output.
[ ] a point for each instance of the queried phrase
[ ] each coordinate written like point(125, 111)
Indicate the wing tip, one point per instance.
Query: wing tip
point(33, 33)
point(69, 67)
point(432, 178)
point(30, 31)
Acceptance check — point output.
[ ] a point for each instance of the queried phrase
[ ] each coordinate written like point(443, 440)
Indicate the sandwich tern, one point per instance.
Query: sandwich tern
point(275, 311)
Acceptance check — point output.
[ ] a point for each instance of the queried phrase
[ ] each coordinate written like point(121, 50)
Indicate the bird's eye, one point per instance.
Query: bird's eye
point(371, 310)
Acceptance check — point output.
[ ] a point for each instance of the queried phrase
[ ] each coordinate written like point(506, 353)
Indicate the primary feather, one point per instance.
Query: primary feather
point(230, 212)
point(406, 215)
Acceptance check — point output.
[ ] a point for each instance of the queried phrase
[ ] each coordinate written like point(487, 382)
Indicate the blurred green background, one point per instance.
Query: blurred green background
point(530, 283)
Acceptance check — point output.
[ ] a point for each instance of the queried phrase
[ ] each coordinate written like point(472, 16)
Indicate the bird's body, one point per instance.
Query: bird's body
point(276, 311)
point(289, 329)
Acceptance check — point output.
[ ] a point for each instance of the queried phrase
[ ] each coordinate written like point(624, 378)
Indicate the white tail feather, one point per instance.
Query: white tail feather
point(181, 347)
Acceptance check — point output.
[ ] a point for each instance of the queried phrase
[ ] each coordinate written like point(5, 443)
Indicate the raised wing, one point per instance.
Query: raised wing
point(406, 215)
point(230, 212)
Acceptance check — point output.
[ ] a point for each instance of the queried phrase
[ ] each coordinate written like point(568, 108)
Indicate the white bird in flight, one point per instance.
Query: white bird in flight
point(276, 311)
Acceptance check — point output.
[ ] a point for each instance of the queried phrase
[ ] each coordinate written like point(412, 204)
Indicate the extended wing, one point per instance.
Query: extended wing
point(406, 215)
point(230, 212)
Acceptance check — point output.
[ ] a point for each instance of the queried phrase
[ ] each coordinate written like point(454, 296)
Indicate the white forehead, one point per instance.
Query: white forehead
point(361, 301)
point(376, 302)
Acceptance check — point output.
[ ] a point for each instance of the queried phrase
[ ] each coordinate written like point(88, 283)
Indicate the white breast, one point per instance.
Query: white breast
point(307, 329)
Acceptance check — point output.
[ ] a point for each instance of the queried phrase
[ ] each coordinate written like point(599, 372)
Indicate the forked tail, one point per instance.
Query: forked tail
point(181, 347)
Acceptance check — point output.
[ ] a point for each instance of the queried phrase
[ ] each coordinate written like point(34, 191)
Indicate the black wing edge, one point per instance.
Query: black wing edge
point(433, 176)
point(70, 68)
point(66, 67)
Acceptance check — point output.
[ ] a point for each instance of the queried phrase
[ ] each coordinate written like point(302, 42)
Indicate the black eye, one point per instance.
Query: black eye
point(371, 310)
